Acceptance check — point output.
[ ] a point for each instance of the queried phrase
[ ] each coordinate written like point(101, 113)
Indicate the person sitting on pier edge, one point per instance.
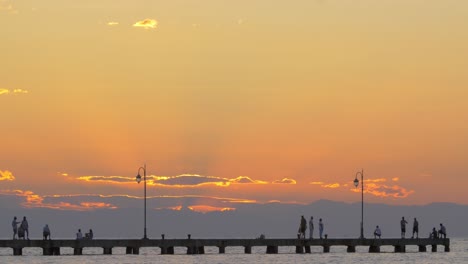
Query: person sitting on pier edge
point(79, 235)
point(302, 227)
point(442, 231)
point(415, 228)
point(14, 224)
point(320, 228)
point(433, 234)
point(89, 235)
point(377, 232)
point(46, 232)
point(403, 227)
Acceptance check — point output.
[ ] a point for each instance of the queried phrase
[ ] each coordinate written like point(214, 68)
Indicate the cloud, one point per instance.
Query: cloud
point(6, 176)
point(207, 208)
point(32, 200)
point(327, 185)
point(112, 23)
point(382, 190)
point(147, 24)
point(179, 181)
point(15, 91)
point(285, 181)
point(395, 179)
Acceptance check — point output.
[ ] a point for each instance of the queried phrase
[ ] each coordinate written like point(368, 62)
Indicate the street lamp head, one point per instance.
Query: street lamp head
point(356, 182)
point(138, 178)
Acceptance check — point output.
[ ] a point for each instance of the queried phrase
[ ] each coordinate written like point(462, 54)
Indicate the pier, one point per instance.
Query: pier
point(197, 246)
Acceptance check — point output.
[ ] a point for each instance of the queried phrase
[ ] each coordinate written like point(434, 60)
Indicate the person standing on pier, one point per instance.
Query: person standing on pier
point(320, 228)
point(415, 228)
point(403, 227)
point(25, 226)
point(302, 228)
point(442, 231)
point(46, 232)
point(79, 235)
point(14, 224)
point(311, 227)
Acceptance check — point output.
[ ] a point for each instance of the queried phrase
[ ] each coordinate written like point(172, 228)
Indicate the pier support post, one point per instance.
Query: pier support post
point(129, 250)
point(326, 249)
point(17, 251)
point(400, 249)
point(307, 249)
point(299, 249)
point(351, 249)
point(434, 248)
point(447, 248)
point(132, 250)
point(107, 251)
point(272, 250)
point(374, 249)
point(201, 250)
point(47, 251)
point(222, 250)
point(77, 251)
point(422, 248)
point(56, 251)
point(248, 250)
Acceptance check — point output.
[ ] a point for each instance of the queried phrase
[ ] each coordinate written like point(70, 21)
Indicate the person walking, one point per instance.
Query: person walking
point(25, 226)
point(311, 227)
point(14, 224)
point(403, 227)
point(46, 232)
point(320, 228)
point(415, 228)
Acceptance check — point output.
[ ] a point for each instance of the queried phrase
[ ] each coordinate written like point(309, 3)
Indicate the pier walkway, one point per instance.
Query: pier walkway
point(197, 246)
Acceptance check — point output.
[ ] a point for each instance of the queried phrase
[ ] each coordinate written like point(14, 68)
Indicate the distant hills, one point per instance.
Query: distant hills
point(249, 220)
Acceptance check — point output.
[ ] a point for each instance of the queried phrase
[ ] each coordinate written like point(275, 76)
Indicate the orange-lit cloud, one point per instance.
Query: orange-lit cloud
point(112, 23)
point(327, 185)
point(377, 188)
point(207, 208)
point(395, 179)
point(285, 181)
point(33, 200)
point(6, 176)
point(4, 91)
point(179, 181)
point(147, 24)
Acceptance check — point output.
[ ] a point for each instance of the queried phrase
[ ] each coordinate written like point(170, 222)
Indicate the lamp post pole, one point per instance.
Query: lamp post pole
point(356, 183)
point(138, 179)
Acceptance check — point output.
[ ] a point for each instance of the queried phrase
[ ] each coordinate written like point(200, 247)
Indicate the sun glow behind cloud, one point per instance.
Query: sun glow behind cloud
point(6, 176)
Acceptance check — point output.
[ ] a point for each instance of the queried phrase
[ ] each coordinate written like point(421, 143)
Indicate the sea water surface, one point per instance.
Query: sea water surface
point(235, 255)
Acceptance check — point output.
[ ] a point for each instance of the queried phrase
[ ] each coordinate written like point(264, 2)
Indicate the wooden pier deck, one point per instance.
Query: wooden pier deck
point(197, 246)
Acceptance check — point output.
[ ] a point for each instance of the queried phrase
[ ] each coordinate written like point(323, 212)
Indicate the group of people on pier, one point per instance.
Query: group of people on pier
point(22, 232)
point(301, 233)
point(442, 233)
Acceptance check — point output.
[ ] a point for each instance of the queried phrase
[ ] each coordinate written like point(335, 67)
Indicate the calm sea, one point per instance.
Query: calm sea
point(458, 254)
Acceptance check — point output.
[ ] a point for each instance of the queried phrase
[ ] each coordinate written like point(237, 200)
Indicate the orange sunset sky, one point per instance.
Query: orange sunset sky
point(231, 102)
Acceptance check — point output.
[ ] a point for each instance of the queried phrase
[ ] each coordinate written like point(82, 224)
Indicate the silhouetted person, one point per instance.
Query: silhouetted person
point(311, 227)
point(377, 232)
point(14, 224)
point(25, 226)
point(89, 235)
point(79, 235)
point(442, 231)
point(302, 227)
point(415, 228)
point(403, 227)
point(46, 232)
point(434, 234)
point(320, 228)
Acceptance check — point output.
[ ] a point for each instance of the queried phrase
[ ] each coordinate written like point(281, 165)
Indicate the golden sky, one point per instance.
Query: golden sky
point(233, 101)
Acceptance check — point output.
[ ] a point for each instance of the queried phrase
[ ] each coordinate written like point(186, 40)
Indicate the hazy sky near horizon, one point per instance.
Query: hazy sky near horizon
point(232, 101)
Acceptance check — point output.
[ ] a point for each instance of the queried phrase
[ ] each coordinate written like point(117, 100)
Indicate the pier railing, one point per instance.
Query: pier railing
point(197, 246)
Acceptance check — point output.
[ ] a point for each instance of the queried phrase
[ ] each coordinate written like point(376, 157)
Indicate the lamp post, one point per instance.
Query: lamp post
point(138, 179)
point(356, 184)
